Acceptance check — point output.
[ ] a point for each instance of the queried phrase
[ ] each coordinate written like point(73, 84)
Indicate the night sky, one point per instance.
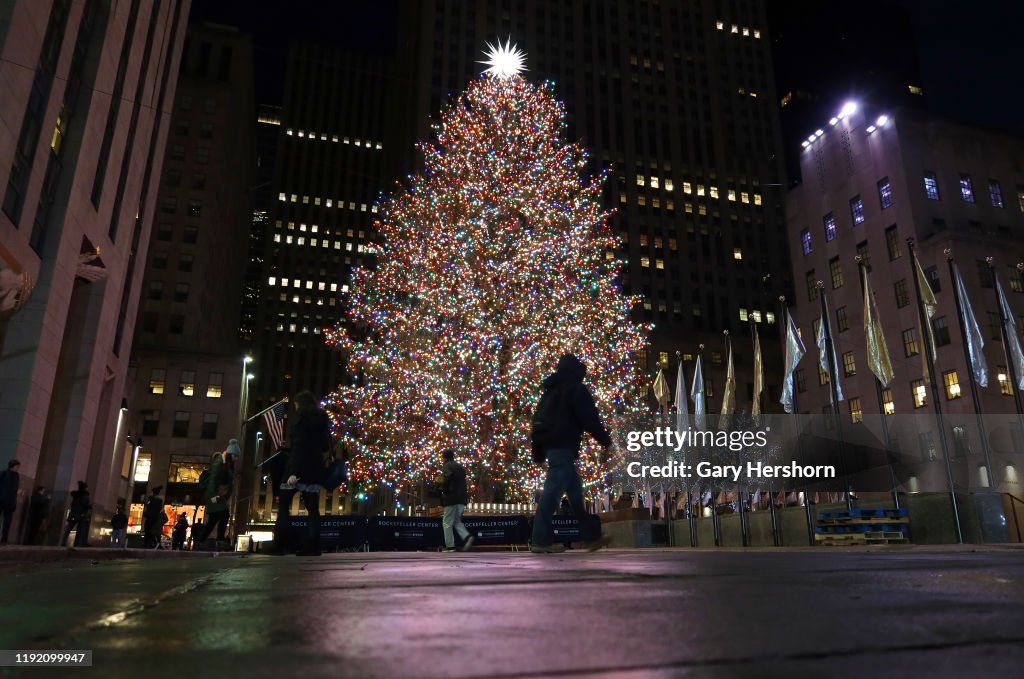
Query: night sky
point(971, 56)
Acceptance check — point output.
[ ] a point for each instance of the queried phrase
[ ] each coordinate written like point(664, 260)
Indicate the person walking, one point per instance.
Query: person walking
point(119, 528)
point(218, 496)
point(9, 482)
point(454, 497)
point(305, 472)
point(79, 516)
point(38, 514)
point(574, 414)
point(153, 519)
point(180, 532)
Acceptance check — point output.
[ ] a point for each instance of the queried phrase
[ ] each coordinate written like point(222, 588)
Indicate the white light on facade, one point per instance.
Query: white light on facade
point(882, 120)
point(833, 121)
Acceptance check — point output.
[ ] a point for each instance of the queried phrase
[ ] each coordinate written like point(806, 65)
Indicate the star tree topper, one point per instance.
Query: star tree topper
point(504, 61)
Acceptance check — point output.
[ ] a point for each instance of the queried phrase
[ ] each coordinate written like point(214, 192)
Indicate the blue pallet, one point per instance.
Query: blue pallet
point(864, 514)
point(862, 528)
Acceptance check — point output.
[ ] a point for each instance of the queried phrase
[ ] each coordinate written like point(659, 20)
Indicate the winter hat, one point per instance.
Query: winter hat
point(233, 448)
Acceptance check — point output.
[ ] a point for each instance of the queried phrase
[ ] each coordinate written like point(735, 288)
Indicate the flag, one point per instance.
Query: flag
point(822, 351)
point(729, 392)
point(794, 352)
point(697, 394)
point(661, 393)
point(1010, 326)
point(755, 408)
point(975, 342)
point(682, 408)
point(878, 352)
point(928, 302)
point(273, 419)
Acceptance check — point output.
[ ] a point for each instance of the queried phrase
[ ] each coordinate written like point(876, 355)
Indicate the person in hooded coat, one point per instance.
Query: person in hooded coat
point(577, 414)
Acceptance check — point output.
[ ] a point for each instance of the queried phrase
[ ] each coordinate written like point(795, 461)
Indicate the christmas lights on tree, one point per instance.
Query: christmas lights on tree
point(493, 262)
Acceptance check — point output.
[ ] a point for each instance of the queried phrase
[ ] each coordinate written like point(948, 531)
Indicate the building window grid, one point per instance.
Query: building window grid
point(856, 414)
point(836, 273)
point(885, 193)
point(966, 188)
point(910, 346)
point(952, 384)
point(931, 186)
point(995, 193)
point(919, 392)
point(892, 243)
point(857, 210)
point(805, 241)
point(829, 222)
point(849, 364)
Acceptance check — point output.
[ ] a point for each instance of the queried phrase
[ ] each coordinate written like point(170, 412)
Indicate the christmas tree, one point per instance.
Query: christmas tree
point(496, 260)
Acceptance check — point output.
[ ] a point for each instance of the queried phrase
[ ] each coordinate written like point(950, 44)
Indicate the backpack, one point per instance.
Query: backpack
point(548, 421)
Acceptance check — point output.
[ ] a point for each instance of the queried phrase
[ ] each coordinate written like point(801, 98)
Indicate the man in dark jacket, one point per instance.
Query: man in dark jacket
point(577, 415)
point(79, 516)
point(454, 496)
point(217, 495)
point(305, 473)
point(119, 528)
point(153, 519)
point(9, 482)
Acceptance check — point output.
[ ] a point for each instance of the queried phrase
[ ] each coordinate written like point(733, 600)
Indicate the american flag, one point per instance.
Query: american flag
point(273, 419)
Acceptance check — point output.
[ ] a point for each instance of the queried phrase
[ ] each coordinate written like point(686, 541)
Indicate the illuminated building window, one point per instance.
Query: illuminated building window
point(187, 383)
point(952, 384)
point(757, 34)
point(857, 210)
point(966, 188)
point(888, 407)
point(743, 315)
point(214, 386)
point(282, 196)
point(757, 199)
point(668, 185)
point(919, 392)
point(713, 191)
point(737, 254)
point(910, 346)
point(156, 380)
point(720, 25)
point(645, 262)
point(931, 186)
point(1004, 381)
point(732, 195)
point(734, 29)
point(655, 184)
point(659, 264)
point(641, 200)
point(700, 189)
point(143, 463)
point(849, 364)
point(856, 414)
point(687, 188)
point(915, 89)
point(755, 315)
point(829, 222)
point(885, 193)
point(639, 180)
point(656, 202)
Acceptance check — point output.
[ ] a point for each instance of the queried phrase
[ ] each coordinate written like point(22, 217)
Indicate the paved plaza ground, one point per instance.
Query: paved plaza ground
point(824, 612)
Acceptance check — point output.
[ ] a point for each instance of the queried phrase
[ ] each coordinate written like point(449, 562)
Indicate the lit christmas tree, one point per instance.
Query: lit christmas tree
point(494, 262)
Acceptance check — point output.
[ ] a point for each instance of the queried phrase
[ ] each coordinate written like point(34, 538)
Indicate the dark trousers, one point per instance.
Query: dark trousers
point(311, 538)
point(562, 478)
point(219, 520)
point(151, 535)
point(81, 528)
point(6, 516)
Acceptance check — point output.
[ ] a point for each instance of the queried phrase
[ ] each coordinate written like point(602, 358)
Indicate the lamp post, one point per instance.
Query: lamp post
point(243, 412)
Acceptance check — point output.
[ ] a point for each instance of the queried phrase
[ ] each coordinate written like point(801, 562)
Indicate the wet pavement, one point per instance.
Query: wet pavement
point(880, 612)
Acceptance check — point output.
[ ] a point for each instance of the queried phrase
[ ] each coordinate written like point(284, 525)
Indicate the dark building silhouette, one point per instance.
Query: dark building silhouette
point(187, 361)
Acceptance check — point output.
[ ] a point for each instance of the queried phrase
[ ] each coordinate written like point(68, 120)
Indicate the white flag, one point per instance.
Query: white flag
point(823, 355)
point(794, 352)
point(729, 392)
point(975, 342)
point(697, 394)
point(682, 408)
point(1010, 324)
point(755, 408)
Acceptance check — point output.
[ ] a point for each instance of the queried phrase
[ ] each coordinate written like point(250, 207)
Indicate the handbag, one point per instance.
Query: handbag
point(337, 474)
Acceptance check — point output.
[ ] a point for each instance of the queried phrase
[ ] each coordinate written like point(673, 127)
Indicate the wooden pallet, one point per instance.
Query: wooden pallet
point(828, 539)
point(875, 513)
point(861, 527)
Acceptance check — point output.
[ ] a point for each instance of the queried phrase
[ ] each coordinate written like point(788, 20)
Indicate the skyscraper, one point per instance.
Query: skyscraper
point(87, 92)
point(187, 361)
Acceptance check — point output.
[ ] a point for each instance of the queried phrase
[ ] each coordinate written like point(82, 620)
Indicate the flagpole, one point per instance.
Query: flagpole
point(1011, 369)
point(862, 265)
point(727, 343)
point(283, 400)
point(970, 369)
point(833, 382)
point(930, 363)
point(714, 508)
